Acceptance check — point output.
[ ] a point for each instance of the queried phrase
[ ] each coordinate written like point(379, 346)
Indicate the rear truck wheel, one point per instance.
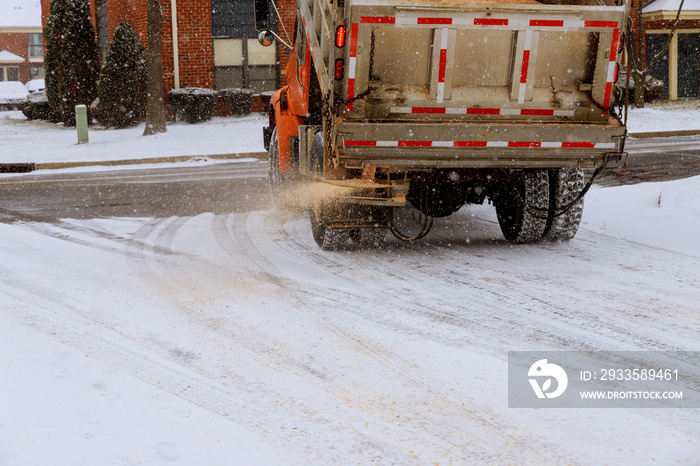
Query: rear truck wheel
point(521, 206)
point(438, 194)
point(273, 162)
point(328, 239)
point(371, 237)
point(565, 184)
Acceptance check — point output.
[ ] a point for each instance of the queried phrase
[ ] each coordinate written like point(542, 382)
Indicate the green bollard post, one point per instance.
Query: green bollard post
point(82, 124)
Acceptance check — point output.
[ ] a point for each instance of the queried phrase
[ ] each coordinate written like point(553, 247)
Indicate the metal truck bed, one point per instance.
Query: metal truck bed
point(473, 82)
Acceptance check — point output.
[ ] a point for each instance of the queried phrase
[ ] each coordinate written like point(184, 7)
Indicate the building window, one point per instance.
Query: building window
point(239, 60)
point(9, 73)
point(36, 72)
point(244, 63)
point(654, 44)
point(36, 46)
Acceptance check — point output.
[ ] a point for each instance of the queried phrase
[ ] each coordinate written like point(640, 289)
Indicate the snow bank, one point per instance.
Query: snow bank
point(12, 92)
point(25, 141)
point(665, 215)
point(665, 116)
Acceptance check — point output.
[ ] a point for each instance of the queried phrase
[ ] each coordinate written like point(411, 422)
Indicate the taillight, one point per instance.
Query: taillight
point(617, 72)
point(340, 36)
point(339, 68)
point(621, 44)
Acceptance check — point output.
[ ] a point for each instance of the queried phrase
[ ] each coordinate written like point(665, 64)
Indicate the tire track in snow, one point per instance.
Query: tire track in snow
point(517, 291)
point(246, 337)
point(242, 244)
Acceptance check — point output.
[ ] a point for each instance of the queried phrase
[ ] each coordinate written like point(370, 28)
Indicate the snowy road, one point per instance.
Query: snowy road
point(394, 356)
point(656, 159)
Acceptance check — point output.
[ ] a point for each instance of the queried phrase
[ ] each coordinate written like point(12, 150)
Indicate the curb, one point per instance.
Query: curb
point(17, 167)
point(665, 134)
point(29, 167)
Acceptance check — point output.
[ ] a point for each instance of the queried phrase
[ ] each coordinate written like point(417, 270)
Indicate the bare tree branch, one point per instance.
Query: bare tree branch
point(663, 51)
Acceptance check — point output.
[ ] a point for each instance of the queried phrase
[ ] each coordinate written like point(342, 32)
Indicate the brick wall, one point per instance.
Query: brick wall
point(288, 13)
point(196, 47)
point(18, 43)
point(684, 24)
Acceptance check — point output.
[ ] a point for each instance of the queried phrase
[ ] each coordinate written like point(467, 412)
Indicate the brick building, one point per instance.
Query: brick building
point(21, 40)
point(212, 43)
point(206, 43)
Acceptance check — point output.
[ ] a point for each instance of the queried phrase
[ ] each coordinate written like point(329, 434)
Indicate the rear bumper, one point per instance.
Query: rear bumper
point(429, 145)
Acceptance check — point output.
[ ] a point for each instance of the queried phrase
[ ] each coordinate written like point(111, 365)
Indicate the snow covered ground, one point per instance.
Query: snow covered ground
point(23, 141)
point(669, 115)
point(231, 339)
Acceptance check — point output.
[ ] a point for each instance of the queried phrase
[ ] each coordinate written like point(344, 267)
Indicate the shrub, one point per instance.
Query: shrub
point(266, 97)
point(72, 58)
point(37, 107)
point(122, 87)
point(239, 101)
point(193, 104)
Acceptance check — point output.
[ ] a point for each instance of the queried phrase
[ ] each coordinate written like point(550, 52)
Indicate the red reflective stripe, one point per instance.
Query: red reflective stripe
point(600, 24)
point(360, 143)
point(353, 40)
point(613, 47)
point(378, 19)
point(537, 112)
point(483, 111)
point(512, 144)
point(415, 143)
point(524, 144)
point(443, 65)
point(526, 63)
point(351, 93)
point(490, 22)
point(546, 23)
point(434, 20)
point(606, 98)
point(353, 54)
point(427, 110)
point(469, 144)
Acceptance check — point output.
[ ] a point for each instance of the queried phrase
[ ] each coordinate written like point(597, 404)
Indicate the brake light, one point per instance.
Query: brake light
point(339, 69)
point(617, 72)
point(340, 36)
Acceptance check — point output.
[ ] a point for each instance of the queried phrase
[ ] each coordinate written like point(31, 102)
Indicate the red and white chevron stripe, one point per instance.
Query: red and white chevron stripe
point(483, 111)
point(484, 144)
point(487, 22)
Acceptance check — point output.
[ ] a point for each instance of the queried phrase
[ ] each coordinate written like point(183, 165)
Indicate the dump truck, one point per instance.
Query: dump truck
point(433, 104)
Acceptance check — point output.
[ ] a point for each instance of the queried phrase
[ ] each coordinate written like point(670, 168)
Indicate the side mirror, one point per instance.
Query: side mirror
point(265, 38)
point(262, 15)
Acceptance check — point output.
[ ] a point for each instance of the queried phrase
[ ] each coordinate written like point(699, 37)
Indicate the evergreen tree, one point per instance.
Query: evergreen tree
point(122, 86)
point(72, 58)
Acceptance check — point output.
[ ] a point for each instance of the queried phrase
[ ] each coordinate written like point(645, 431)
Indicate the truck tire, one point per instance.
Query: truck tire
point(273, 162)
point(328, 239)
point(517, 205)
point(565, 184)
point(369, 238)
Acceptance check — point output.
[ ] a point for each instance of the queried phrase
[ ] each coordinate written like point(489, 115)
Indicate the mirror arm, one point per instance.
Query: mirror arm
point(289, 47)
